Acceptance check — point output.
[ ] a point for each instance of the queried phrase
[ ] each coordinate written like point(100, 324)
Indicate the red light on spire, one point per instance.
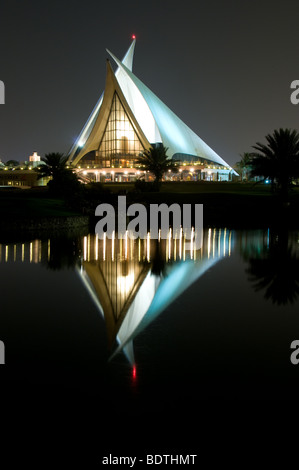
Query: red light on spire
point(133, 36)
point(134, 372)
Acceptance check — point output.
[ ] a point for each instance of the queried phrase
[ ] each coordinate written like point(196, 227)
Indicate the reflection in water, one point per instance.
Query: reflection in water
point(130, 281)
point(133, 281)
point(55, 253)
point(274, 265)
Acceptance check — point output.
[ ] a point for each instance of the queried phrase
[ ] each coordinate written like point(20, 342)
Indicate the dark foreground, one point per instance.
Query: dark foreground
point(232, 205)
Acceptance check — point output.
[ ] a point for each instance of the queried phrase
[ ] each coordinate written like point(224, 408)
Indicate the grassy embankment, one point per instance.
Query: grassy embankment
point(234, 205)
point(230, 204)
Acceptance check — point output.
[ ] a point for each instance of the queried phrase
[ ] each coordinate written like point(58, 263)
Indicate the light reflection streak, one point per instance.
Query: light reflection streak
point(216, 243)
point(104, 247)
point(113, 245)
point(148, 248)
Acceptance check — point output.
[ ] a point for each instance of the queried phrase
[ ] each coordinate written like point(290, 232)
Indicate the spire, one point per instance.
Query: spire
point(84, 134)
point(128, 58)
point(175, 134)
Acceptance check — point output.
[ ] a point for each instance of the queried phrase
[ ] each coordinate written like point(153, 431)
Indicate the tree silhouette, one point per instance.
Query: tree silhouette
point(278, 160)
point(276, 270)
point(243, 166)
point(155, 161)
point(63, 180)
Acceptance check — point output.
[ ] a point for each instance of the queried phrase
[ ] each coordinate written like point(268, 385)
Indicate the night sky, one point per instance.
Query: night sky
point(224, 67)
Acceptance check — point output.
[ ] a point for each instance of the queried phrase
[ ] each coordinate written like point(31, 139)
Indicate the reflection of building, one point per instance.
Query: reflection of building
point(129, 118)
point(119, 275)
point(34, 251)
point(131, 282)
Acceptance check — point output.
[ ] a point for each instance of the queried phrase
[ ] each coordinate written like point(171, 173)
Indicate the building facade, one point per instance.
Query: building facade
point(128, 119)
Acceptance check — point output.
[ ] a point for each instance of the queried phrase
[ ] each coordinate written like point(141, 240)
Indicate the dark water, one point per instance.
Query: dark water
point(146, 346)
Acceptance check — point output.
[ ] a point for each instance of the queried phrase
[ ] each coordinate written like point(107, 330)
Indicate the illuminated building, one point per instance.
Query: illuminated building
point(34, 159)
point(129, 118)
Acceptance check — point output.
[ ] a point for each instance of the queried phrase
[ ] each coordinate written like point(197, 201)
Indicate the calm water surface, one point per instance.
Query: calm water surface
point(141, 327)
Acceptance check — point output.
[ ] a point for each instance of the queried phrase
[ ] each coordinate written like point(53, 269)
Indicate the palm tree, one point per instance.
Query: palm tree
point(278, 160)
point(244, 165)
point(63, 180)
point(155, 161)
point(54, 165)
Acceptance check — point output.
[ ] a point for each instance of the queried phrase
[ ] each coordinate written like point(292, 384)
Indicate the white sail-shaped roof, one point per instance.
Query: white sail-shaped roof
point(169, 128)
point(88, 126)
point(156, 121)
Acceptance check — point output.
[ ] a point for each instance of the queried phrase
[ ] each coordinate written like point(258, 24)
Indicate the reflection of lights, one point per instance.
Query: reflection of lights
point(224, 242)
point(126, 283)
point(49, 250)
point(113, 242)
point(104, 246)
point(192, 243)
point(180, 248)
point(169, 244)
point(148, 247)
point(209, 242)
point(219, 246)
point(96, 247)
point(229, 243)
point(85, 248)
point(6, 254)
point(214, 238)
point(30, 253)
point(126, 244)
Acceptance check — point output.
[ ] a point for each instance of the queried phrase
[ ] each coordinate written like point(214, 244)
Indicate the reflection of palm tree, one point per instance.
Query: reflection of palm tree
point(158, 260)
point(276, 270)
point(64, 252)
